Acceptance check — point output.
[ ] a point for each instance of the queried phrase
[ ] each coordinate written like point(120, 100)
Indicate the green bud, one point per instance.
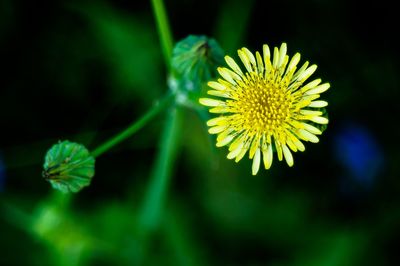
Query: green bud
point(194, 62)
point(68, 166)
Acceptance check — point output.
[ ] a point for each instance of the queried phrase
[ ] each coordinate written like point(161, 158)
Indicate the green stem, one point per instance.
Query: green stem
point(235, 14)
point(151, 211)
point(134, 127)
point(163, 30)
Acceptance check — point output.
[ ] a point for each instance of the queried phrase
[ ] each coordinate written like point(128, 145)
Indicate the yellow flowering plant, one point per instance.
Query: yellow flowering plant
point(267, 107)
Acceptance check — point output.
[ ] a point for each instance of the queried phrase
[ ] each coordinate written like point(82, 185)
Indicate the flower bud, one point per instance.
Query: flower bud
point(68, 166)
point(194, 62)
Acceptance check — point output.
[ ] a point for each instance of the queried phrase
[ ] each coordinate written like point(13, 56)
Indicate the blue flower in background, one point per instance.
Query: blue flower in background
point(359, 154)
point(2, 173)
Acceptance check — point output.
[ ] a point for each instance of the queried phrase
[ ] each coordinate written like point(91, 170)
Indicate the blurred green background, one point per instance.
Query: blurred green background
point(83, 71)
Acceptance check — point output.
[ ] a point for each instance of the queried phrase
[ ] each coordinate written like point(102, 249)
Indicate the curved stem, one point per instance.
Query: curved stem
point(134, 127)
point(151, 211)
point(164, 30)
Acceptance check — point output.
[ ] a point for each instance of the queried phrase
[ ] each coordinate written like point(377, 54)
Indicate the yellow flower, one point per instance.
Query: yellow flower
point(266, 105)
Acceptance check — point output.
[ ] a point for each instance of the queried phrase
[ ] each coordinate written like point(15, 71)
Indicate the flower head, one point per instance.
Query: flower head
point(268, 105)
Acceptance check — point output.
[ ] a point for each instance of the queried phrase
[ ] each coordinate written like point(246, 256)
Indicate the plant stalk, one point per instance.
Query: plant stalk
point(164, 30)
point(134, 127)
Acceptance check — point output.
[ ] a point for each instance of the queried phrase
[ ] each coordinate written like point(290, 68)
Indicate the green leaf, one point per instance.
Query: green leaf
point(68, 166)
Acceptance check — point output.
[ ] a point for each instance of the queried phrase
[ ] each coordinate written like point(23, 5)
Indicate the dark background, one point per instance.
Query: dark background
point(84, 70)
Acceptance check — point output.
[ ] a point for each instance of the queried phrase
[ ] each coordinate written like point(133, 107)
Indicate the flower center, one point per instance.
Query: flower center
point(262, 104)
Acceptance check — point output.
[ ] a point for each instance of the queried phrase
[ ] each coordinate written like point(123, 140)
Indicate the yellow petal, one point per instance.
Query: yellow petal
point(217, 129)
point(276, 58)
point(267, 58)
point(312, 129)
point(251, 57)
point(307, 73)
point(288, 155)
point(310, 112)
point(309, 85)
point(299, 145)
point(318, 104)
point(225, 141)
point(220, 110)
point(236, 151)
point(245, 61)
point(318, 90)
point(256, 162)
point(304, 134)
point(282, 55)
point(319, 120)
point(218, 93)
point(239, 140)
point(291, 145)
point(221, 120)
point(267, 157)
point(300, 71)
point(228, 75)
point(217, 86)
point(293, 63)
point(260, 63)
point(232, 64)
point(211, 102)
point(278, 150)
point(254, 146)
point(241, 153)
